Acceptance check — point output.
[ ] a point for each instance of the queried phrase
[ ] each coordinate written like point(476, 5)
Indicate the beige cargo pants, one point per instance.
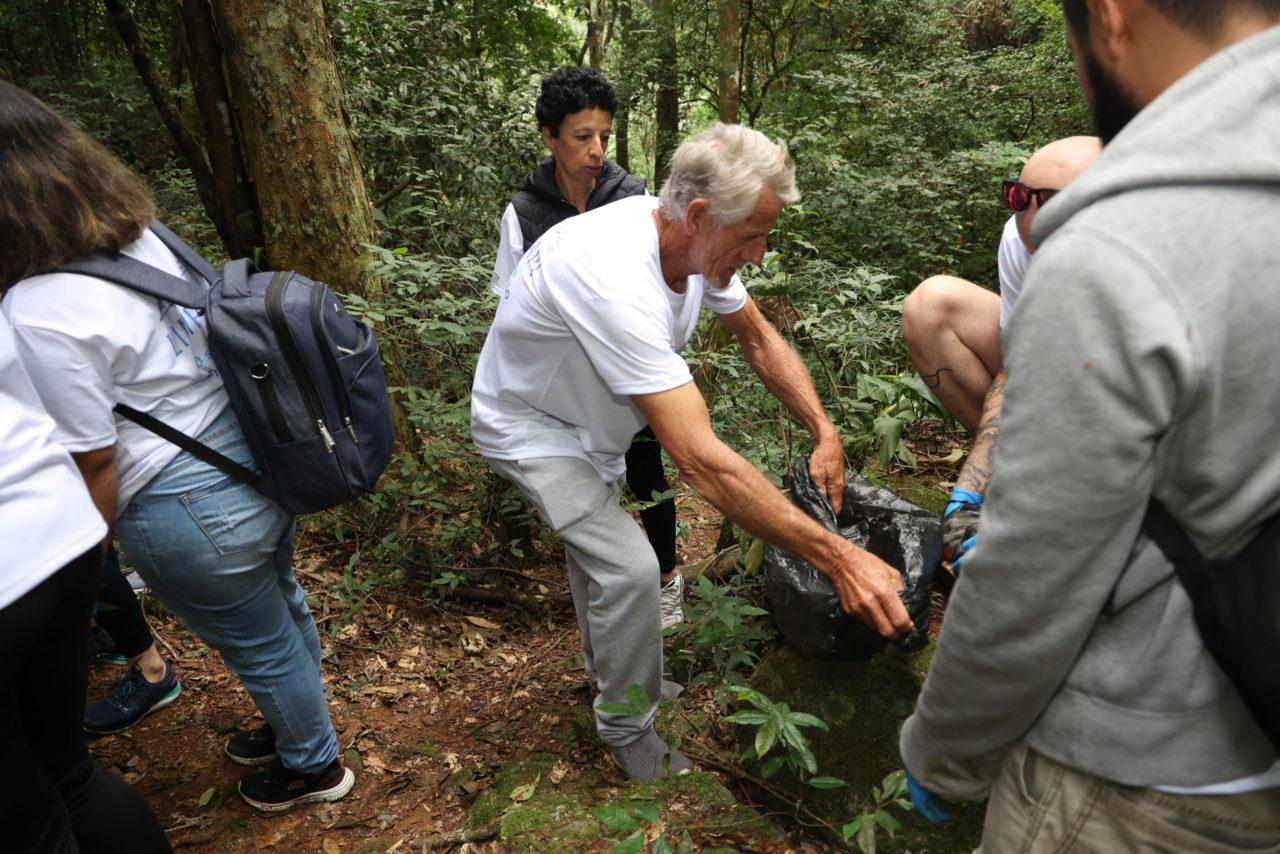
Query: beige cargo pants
point(1038, 805)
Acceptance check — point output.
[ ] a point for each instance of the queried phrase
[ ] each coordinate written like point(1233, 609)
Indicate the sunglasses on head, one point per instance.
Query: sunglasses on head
point(1017, 195)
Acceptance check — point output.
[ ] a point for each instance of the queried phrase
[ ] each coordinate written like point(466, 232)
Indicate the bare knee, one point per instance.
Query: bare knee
point(932, 307)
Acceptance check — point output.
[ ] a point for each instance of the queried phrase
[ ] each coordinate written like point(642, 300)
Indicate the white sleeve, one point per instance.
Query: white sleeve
point(510, 248)
point(627, 344)
point(732, 297)
point(73, 378)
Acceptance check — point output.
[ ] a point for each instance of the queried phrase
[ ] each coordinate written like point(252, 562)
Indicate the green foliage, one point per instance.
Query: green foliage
point(776, 725)
point(863, 830)
point(639, 819)
point(722, 637)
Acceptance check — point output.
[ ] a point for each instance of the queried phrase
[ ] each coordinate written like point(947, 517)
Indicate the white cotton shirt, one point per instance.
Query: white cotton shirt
point(586, 321)
point(89, 344)
point(510, 248)
point(1012, 260)
point(48, 519)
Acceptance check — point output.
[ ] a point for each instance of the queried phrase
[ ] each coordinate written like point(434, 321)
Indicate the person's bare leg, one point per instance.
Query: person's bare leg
point(153, 666)
point(952, 329)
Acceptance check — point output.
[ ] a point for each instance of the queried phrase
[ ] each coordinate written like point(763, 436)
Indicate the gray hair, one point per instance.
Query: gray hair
point(728, 165)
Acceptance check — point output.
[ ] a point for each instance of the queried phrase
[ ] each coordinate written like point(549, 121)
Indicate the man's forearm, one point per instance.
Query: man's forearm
point(785, 376)
point(976, 473)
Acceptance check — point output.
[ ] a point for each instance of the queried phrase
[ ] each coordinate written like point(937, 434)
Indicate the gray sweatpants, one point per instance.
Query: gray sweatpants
point(611, 572)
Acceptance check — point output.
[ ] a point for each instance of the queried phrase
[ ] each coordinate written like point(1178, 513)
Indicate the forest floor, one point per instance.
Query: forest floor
point(429, 697)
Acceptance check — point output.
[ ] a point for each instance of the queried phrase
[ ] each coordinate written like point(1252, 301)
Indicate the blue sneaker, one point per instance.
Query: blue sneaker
point(132, 699)
point(102, 647)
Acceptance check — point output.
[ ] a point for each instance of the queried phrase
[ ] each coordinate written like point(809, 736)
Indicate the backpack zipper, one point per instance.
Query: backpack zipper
point(330, 360)
point(310, 398)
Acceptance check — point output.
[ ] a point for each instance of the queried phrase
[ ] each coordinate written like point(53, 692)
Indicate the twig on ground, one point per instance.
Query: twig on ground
point(484, 596)
point(456, 837)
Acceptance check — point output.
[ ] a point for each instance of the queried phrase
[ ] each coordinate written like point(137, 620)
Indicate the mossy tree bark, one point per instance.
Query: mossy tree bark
point(667, 118)
point(728, 52)
point(299, 149)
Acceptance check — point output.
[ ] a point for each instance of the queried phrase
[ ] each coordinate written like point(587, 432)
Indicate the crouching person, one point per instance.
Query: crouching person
point(216, 552)
point(585, 350)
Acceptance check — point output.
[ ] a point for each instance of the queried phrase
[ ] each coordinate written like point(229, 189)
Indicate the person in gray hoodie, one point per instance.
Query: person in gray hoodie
point(1070, 683)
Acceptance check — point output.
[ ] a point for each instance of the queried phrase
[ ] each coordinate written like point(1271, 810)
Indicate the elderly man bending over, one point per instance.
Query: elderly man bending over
point(585, 350)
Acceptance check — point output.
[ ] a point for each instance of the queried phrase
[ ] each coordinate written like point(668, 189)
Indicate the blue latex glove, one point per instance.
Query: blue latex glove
point(930, 806)
point(965, 548)
point(960, 525)
point(958, 498)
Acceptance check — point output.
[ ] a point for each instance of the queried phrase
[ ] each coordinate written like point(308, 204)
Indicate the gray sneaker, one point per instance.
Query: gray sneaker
point(649, 757)
point(671, 601)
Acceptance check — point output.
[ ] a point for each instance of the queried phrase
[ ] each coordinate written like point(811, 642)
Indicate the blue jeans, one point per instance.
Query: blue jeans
point(220, 555)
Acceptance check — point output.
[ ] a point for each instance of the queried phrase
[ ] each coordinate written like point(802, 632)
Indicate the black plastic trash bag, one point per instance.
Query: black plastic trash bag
point(805, 605)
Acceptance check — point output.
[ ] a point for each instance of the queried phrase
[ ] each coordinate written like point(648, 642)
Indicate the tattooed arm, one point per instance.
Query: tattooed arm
point(960, 521)
point(976, 473)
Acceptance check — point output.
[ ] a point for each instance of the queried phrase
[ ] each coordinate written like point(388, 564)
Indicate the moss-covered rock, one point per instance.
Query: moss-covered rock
point(535, 813)
point(864, 703)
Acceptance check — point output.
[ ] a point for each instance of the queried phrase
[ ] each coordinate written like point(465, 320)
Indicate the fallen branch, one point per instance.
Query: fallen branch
point(486, 596)
point(456, 837)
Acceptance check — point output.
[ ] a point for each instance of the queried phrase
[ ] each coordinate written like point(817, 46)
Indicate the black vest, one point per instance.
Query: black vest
point(539, 204)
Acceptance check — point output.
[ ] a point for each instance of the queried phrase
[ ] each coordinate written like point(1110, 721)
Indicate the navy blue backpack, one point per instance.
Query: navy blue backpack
point(304, 377)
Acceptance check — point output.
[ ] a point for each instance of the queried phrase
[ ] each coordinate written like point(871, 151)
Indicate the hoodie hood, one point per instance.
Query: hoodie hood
point(1232, 103)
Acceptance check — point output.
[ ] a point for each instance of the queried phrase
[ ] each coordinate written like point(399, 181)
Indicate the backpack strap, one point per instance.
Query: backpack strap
point(137, 276)
point(235, 278)
point(200, 451)
point(193, 259)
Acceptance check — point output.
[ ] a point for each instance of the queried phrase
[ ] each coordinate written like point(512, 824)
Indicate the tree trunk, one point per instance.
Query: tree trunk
point(230, 178)
point(667, 107)
point(597, 16)
point(300, 151)
point(727, 50)
point(622, 122)
point(189, 148)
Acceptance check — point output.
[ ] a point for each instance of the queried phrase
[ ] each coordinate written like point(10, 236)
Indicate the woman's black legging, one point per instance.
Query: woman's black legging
point(645, 477)
point(60, 800)
point(119, 613)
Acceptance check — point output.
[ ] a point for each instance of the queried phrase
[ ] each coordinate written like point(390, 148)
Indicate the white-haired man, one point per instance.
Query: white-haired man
point(585, 349)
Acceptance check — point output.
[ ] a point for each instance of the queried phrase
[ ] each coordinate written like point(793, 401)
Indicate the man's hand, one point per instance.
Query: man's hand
point(960, 525)
point(868, 589)
point(827, 466)
point(931, 807)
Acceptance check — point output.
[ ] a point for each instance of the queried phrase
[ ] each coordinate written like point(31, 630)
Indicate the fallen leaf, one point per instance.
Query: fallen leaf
point(206, 797)
point(557, 772)
point(482, 623)
point(525, 792)
point(331, 846)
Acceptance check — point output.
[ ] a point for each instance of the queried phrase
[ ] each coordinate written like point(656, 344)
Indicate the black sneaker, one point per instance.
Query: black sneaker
point(278, 789)
point(253, 746)
point(131, 700)
point(102, 648)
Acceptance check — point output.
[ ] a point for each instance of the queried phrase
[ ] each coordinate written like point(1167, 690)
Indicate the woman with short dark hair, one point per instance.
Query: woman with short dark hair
point(215, 551)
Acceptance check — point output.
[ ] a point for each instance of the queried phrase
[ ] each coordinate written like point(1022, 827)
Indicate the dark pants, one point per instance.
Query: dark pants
point(119, 613)
point(645, 477)
point(58, 799)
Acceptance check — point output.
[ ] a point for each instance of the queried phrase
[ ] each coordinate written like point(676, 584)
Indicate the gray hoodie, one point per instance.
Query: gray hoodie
point(1143, 358)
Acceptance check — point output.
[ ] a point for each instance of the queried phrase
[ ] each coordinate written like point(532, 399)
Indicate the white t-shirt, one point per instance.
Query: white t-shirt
point(510, 248)
point(586, 321)
point(1012, 259)
point(48, 518)
point(89, 344)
